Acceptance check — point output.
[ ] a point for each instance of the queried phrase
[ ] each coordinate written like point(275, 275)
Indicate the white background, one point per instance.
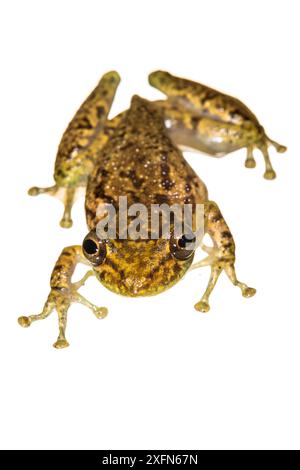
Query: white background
point(155, 373)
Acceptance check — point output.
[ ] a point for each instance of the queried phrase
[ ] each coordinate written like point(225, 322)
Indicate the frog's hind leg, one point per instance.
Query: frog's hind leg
point(78, 150)
point(63, 293)
point(220, 257)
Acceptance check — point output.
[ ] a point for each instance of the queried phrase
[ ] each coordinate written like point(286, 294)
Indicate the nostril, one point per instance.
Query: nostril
point(90, 246)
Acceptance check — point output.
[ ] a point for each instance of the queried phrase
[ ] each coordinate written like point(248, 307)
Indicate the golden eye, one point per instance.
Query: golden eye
point(94, 249)
point(183, 248)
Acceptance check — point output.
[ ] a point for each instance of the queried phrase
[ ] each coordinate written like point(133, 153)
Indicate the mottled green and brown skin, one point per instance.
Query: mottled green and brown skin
point(137, 155)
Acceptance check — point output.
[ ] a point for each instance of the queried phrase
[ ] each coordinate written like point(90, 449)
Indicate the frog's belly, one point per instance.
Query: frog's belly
point(213, 144)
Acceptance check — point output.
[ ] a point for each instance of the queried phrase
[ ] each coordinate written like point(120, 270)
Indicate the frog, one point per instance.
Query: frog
point(138, 154)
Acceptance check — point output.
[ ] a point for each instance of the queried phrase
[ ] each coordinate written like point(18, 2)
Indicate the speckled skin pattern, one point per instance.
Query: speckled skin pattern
point(153, 171)
point(137, 154)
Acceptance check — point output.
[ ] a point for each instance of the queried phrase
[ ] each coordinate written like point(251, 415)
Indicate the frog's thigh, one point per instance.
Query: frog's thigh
point(84, 136)
point(207, 135)
point(63, 293)
point(220, 257)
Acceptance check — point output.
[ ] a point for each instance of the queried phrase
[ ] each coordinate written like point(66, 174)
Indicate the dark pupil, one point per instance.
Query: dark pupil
point(90, 247)
point(185, 240)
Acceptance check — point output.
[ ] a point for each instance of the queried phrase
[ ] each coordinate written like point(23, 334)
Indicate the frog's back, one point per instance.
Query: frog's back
point(140, 162)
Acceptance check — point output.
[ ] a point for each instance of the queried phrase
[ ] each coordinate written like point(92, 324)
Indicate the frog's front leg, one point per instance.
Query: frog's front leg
point(63, 293)
point(220, 257)
point(78, 150)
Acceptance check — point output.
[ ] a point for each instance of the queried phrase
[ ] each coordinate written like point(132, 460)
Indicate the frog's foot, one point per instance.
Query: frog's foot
point(220, 257)
point(262, 145)
point(67, 195)
point(216, 268)
point(60, 300)
point(63, 293)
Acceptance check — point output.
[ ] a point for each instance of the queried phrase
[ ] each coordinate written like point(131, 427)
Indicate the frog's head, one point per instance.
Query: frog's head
point(138, 267)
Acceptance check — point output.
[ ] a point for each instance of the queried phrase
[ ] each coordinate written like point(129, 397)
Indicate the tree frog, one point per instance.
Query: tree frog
point(138, 154)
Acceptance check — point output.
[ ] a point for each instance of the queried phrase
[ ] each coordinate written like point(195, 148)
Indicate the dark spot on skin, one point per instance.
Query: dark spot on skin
point(226, 234)
point(100, 111)
point(189, 200)
point(167, 184)
point(84, 123)
point(162, 261)
point(66, 253)
point(141, 158)
point(195, 122)
point(110, 262)
point(161, 198)
point(108, 130)
point(227, 245)
point(89, 213)
point(187, 187)
point(164, 167)
point(136, 181)
point(58, 267)
point(99, 191)
point(208, 96)
point(115, 267)
point(176, 268)
point(89, 158)
point(126, 145)
point(104, 93)
point(104, 172)
point(109, 200)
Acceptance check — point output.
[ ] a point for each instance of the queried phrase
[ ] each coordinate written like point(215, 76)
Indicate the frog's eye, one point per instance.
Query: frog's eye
point(94, 249)
point(184, 247)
